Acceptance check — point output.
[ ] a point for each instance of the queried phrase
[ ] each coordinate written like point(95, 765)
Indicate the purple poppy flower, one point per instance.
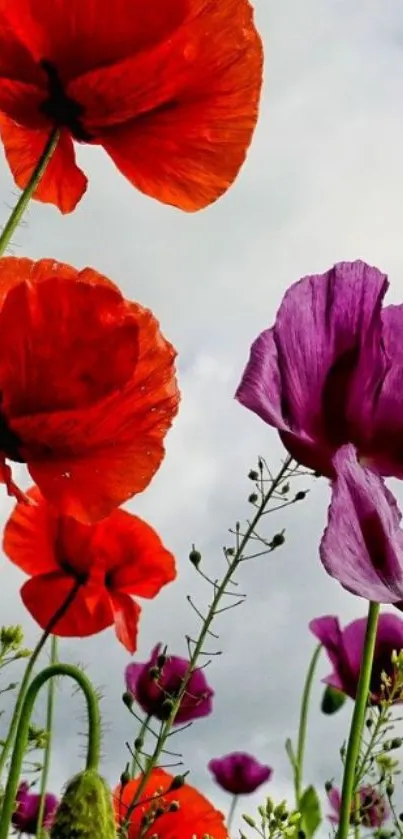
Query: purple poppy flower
point(152, 693)
point(362, 546)
point(25, 816)
point(345, 647)
point(373, 812)
point(329, 371)
point(239, 772)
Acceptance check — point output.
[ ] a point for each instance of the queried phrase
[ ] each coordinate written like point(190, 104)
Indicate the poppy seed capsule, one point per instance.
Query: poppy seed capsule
point(195, 557)
point(85, 810)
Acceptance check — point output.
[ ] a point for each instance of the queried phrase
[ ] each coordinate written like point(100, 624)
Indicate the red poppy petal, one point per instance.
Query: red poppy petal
point(185, 128)
point(135, 557)
point(45, 594)
point(126, 613)
point(85, 340)
point(77, 35)
point(196, 815)
point(15, 59)
point(30, 535)
point(89, 462)
point(21, 102)
point(63, 183)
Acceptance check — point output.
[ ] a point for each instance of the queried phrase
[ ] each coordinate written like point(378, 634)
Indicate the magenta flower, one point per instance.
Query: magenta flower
point(373, 812)
point(362, 546)
point(345, 647)
point(239, 772)
point(25, 816)
point(153, 694)
point(329, 371)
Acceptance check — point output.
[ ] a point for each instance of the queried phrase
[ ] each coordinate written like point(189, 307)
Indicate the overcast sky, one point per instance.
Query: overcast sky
point(323, 182)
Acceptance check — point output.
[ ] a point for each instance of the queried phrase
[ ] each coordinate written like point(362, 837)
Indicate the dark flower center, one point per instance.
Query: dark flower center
point(60, 108)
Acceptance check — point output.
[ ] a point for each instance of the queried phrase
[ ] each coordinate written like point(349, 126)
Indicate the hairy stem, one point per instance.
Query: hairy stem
point(48, 747)
point(26, 195)
point(21, 740)
point(357, 722)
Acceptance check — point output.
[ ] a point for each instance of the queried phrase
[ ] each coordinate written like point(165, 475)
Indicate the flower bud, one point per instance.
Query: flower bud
point(138, 743)
point(174, 807)
point(195, 557)
point(176, 783)
point(161, 660)
point(328, 786)
point(253, 498)
point(86, 809)
point(248, 819)
point(253, 475)
point(125, 777)
point(128, 699)
point(11, 636)
point(277, 540)
point(154, 673)
point(396, 743)
point(166, 708)
point(299, 496)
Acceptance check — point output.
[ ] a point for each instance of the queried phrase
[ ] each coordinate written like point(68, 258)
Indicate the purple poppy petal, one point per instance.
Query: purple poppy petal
point(299, 373)
point(327, 630)
point(25, 816)
point(362, 546)
point(239, 773)
point(385, 447)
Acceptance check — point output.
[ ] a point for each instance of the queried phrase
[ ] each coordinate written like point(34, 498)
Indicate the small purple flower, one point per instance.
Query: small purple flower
point(152, 694)
point(25, 816)
point(239, 772)
point(345, 647)
point(373, 811)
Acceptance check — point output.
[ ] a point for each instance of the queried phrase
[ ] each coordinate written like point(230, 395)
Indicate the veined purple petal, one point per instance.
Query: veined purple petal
point(362, 546)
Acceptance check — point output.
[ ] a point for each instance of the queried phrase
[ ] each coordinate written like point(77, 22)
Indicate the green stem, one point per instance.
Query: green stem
point(212, 611)
point(357, 806)
point(357, 722)
point(231, 812)
point(29, 190)
point(303, 722)
point(48, 748)
point(21, 740)
point(27, 675)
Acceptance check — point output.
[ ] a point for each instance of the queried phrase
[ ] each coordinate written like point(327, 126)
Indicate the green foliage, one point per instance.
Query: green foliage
point(311, 815)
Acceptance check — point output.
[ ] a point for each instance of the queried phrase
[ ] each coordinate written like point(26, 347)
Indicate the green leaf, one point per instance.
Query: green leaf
point(332, 700)
point(311, 815)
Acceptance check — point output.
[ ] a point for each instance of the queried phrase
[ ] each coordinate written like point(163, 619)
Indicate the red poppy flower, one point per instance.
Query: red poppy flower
point(105, 563)
point(169, 89)
point(194, 816)
point(87, 386)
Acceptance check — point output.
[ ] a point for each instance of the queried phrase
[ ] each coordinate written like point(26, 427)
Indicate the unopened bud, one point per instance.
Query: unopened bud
point(277, 540)
point(248, 819)
point(138, 743)
point(86, 809)
point(128, 699)
point(253, 498)
point(328, 786)
point(285, 489)
point(230, 551)
point(195, 557)
point(390, 788)
point(166, 708)
point(125, 776)
point(253, 475)
point(161, 660)
point(269, 806)
point(11, 636)
point(299, 496)
point(176, 783)
point(174, 807)
point(396, 743)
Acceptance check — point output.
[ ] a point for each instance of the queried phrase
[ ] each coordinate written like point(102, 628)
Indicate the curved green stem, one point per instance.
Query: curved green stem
point(29, 190)
point(357, 722)
point(28, 672)
point(48, 747)
point(303, 722)
point(94, 733)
